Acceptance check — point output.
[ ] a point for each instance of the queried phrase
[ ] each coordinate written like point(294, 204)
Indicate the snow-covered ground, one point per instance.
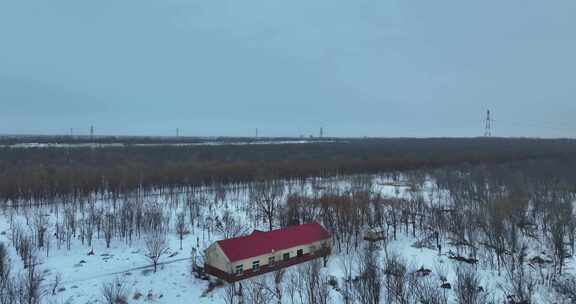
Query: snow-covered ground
point(82, 275)
point(208, 143)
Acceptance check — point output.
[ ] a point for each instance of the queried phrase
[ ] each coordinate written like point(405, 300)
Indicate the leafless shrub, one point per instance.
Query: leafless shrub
point(427, 290)
point(114, 292)
point(441, 271)
point(566, 288)
point(9, 292)
point(396, 284)
point(468, 286)
point(257, 291)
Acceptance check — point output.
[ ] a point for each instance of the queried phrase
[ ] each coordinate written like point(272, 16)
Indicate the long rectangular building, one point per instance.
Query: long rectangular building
point(261, 252)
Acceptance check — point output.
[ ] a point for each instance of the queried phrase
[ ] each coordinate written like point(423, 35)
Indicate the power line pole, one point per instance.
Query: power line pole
point(321, 132)
point(488, 125)
point(177, 132)
point(256, 132)
point(92, 133)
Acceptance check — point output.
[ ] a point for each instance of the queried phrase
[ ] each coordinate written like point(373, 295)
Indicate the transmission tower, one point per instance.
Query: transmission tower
point(488, 126)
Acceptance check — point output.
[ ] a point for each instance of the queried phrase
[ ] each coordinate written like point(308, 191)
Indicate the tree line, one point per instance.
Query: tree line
point(35, 174)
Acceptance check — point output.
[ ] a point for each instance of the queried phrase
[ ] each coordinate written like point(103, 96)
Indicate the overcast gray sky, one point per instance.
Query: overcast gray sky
point(224, 67)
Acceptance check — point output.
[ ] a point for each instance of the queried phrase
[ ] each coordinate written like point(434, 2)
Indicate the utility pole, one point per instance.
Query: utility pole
point(321, 132)
point(256, 132)
point(177, 132)
point(488, 125)
point(92, 133)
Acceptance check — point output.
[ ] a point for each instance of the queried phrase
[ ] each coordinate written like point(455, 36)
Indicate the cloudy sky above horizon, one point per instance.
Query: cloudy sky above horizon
point(223, 67)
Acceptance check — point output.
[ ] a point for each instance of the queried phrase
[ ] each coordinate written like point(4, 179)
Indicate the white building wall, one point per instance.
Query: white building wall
point(247, 263)
point(215, 257)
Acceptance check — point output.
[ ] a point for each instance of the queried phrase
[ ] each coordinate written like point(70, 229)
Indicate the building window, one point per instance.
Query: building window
point(286, 256)
point(271, 260)
point(239, 269)
point(300, 252)
point(255, 265)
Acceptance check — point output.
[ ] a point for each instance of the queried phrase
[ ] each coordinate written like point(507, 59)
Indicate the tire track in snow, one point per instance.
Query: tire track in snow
point(104, 275)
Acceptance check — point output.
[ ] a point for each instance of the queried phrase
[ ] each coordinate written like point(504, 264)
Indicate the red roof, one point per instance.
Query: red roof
point(261, 243)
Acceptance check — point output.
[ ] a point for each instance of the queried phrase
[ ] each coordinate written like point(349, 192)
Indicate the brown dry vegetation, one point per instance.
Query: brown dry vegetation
point(43, 173)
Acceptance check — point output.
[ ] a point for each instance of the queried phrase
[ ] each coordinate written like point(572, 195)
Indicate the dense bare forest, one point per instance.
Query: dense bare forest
point(41, 173)
point(458, 221)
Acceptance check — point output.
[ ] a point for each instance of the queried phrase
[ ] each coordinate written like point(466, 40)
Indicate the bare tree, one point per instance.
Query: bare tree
point(156, 246)
point(8, 290)
point(396, 285)
point(229, 227)
point(90, 233)
point(30, 288)
point(108, 228)
point(278, 291)
point(181, 226)
point(368, 286)
point(257, 291)
point(40, 227)
point(347, 263)
point(47, 243)
point(294, 285)
point(26, 250)
point(5, 266)
point(558, 234)
point(520, 283)
point(266, 196)
point(267, 291)
point(56, 283)
point(316, 285)
point(230, 295)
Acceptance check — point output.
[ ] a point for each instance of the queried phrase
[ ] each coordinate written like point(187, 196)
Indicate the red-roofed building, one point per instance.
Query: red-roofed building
point(261, 252)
